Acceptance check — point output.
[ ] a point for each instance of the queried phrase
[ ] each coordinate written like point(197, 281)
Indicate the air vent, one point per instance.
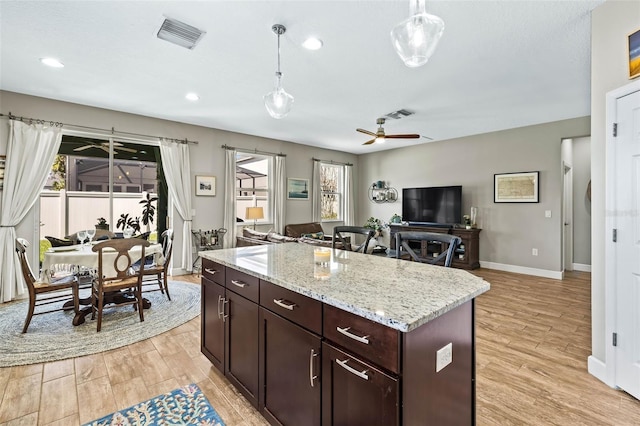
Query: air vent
point(179, 33)
point(396, 115)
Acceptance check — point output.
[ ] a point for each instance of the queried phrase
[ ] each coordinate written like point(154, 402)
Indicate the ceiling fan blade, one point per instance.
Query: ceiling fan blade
point(366, 132)
point(427, 137)
point(407, 136)
point(105, 148)
point(122, 148)
point(369, 142)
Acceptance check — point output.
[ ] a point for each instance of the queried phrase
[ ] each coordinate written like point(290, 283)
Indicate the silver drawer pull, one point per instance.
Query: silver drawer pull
point(280, 302)
point(362, 374)
point(311, 357)
point(224, 316)
point(238, 283)
point(220, 313)
point(211, 271)
point(345, 331)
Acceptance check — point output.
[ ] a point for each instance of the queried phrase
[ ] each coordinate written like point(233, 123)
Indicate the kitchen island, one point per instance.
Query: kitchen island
point(357, 339)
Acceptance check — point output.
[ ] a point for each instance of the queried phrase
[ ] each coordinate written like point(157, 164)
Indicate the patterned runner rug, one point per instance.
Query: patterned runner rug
point(52, 337)
point(183, 406)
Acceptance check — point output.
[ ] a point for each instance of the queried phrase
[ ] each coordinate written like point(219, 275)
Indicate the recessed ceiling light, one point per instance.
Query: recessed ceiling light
point(52, 62)
point(312, 43)
point(192, 96)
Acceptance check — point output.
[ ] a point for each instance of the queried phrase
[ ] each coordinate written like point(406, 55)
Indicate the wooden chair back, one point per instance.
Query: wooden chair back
point(447, 241)
point(122, 260)
point(27, 273)
point(338, 238)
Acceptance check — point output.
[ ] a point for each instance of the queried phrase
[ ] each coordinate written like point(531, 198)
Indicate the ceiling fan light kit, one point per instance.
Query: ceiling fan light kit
point(416, 38)
point(278, 102)
point(379, 136)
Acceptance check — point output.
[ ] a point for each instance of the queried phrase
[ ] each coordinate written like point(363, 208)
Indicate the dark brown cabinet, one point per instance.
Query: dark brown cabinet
point(212, 333)
point(241, 345)
point(467, 255)
point(355, 392)
point(290, 366)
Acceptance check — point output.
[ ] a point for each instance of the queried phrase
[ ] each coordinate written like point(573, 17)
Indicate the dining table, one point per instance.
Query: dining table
point(82, 255)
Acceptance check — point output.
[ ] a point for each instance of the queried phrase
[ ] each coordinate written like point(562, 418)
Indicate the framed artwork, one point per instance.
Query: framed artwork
point(206, 185)
point(634, 54)
point(516, 187)
point(297, 189)
point(3, 162)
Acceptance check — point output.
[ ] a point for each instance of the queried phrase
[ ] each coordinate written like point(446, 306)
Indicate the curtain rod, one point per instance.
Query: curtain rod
point(332, 162)
point(253, 151)
point(113, 131)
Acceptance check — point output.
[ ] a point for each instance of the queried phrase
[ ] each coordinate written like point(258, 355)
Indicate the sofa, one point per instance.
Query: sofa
point(307, 233)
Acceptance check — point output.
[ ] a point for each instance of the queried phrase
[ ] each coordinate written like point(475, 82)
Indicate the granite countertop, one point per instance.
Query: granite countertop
point(397, 293)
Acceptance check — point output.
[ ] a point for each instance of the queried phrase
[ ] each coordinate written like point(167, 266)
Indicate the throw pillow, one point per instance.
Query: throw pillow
point(256, 235)
point(59, 242)
point(315, 235)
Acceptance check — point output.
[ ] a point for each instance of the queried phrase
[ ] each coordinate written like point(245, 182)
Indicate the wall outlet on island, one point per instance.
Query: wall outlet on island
point(444, 356)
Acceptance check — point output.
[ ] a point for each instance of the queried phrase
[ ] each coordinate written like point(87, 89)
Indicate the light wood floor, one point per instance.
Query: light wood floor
point(533, 340)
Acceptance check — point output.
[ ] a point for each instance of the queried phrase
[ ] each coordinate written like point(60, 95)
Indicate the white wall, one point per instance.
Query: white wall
point(509, 230)
point(611, 23)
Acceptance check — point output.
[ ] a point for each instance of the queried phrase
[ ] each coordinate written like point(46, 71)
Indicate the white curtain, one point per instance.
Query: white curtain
point(316, 193)
point(177, 172)
point(280, 194)
point(31, 150)
point(349, 211)
point(230, 198)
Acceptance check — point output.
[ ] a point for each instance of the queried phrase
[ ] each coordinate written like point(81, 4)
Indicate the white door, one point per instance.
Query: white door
point(567, 219)
point(627, 247)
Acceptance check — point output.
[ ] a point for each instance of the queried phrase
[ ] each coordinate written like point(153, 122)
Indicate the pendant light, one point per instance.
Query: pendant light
point(278, 102)
point(416, 38)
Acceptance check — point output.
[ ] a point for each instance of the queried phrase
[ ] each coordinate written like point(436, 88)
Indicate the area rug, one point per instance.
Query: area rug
point(52, 337)
point(184, 406)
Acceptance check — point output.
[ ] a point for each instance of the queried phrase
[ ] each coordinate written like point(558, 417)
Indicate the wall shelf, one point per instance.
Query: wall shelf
point(380, 192)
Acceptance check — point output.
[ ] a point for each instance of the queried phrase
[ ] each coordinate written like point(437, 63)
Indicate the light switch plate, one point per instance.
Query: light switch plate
point(444, 356)
point(547, 213)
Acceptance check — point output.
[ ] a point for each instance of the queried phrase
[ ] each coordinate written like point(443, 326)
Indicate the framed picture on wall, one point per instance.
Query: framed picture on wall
point(297, 189)
point(516, 187)
point(634, 54)
point(206, 185)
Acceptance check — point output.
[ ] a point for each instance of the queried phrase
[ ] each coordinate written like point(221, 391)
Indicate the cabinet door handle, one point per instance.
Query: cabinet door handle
point(211, 271)
point(280, 302)
point(224, 317)
point(345, 331)
point(312, 377)
point(362, 374)
point(238, 283)
point(220, 313)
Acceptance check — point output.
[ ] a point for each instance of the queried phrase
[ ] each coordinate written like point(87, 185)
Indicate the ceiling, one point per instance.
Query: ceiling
point(499, 65)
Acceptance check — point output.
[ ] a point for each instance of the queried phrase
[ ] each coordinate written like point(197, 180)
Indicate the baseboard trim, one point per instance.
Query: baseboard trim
point(597, 369)
point(557, 275)
point(581, 267)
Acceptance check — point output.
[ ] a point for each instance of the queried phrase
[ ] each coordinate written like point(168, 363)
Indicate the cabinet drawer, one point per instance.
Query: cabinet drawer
point(213, 271)
point(296, 307)
point(375, 342)
point(243, 284)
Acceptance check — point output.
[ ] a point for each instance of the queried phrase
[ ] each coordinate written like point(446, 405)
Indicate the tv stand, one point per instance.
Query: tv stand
point(431, 225)
point(467, 255)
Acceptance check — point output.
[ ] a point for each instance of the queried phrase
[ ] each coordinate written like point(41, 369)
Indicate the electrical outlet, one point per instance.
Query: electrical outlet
point(547, 213)
point(534, 251)
point(444, 356)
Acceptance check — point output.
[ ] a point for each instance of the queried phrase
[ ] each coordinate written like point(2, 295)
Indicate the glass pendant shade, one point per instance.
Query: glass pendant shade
point(415, 39)
point(278, 102)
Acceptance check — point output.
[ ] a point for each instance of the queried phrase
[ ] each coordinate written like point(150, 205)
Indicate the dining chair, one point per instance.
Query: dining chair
point(45, 293)
point(340, 239)
point(448, 244)
point(123, 285)
point(159, 269)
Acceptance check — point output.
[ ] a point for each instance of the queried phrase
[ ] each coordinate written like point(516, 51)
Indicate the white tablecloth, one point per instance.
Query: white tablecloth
point(84, 256)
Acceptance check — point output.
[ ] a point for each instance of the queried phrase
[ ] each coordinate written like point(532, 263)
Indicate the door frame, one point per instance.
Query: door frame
point(610, 290)
point(567, 215)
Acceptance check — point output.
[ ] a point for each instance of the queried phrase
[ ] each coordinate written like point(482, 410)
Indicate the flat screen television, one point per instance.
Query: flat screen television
point(440, 205)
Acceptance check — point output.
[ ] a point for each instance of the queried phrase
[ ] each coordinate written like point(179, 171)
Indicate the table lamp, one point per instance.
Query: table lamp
point(254, 213)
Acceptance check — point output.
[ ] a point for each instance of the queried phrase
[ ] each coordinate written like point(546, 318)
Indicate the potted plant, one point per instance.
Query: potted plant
point(395, 218)
point(102, 224)
point(131, 222)
point(467, 221)
point(148, 209)
point(376, 225)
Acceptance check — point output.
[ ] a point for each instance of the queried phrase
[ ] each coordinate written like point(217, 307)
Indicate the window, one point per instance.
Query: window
point(332, 187)
point(253, 183)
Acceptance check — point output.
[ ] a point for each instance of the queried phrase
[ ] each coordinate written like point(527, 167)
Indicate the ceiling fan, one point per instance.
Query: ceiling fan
point(380, 136)
point(105, 147)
